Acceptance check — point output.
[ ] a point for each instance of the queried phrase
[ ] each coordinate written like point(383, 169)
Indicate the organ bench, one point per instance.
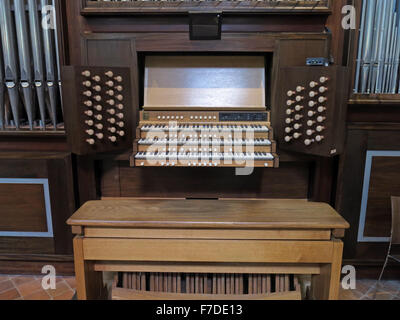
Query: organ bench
point(271, 237)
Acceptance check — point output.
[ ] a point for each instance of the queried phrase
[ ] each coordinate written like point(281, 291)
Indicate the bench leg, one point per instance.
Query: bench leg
point(326, 285)
point(89, 283)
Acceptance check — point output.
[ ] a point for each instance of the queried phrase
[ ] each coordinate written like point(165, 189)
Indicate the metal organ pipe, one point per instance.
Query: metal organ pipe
point(378, 60)
point(28, 61)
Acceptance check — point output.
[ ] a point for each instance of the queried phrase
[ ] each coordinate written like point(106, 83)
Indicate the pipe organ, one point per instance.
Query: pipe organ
point(378, 48)
point(204, 286)
point(148, 104)
point(29, 76)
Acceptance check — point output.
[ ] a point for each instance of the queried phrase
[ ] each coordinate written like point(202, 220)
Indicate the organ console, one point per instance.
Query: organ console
point(100, 112)
point(210, 113)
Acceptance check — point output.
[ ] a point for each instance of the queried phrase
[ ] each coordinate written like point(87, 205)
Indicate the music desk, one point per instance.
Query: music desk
point(225, 236)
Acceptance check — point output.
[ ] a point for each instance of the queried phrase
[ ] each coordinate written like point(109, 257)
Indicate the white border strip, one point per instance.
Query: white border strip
point(365, 194)
point(46, 191)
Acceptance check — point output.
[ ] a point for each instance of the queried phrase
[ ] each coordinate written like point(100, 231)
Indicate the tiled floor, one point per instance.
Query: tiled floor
point(387, 290)
point(30, 288)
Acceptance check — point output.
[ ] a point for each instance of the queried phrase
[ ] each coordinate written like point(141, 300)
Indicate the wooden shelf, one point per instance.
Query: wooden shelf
point(374, 99)
point(35, 133)
point(174, 7)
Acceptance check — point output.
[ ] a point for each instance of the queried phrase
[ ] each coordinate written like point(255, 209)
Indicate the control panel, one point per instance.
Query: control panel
point(99, 111)
point(309, 114)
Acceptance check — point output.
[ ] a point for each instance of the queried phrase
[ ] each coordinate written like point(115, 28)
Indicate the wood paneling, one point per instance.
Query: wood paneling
point(384, 183)
point(360, 139)
point(25, 206)
point(206, 183)
point(22, 208)
point(12, 245)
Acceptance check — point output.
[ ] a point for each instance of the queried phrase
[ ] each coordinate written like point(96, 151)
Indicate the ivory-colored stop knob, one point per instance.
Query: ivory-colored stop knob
point(109, 74)
point(86, 73)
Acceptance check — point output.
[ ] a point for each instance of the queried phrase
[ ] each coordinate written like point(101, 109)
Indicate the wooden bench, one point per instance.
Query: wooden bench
point(208, 236)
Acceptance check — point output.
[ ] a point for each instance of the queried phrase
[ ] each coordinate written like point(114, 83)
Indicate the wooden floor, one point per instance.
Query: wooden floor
point(29, 288)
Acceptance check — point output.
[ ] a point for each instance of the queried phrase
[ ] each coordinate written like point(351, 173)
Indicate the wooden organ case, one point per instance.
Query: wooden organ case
point(193, 110)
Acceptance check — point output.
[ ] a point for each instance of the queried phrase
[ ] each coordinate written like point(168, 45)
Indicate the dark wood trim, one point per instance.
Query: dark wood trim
point(33, 264)
point(86, 175)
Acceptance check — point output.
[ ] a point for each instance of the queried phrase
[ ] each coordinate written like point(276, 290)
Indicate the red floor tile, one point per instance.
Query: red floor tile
point(10, 295)
point(71, 282)
point(6, 285)
point(38, 295)
point(65, 296)
point(61, 287)
point(19, 280)
point(27, 288)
